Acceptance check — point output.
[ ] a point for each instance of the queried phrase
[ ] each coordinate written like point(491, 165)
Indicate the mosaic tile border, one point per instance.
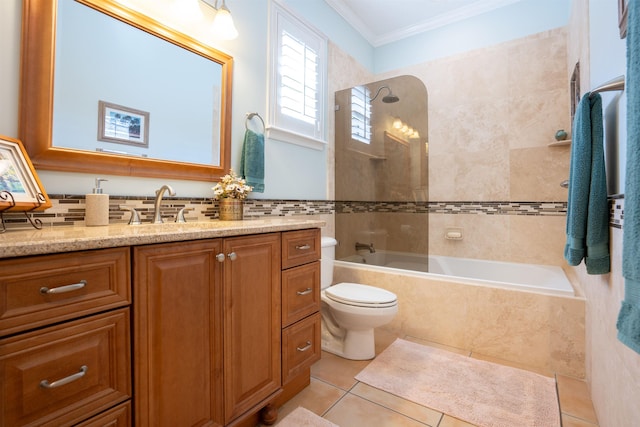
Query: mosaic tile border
point(69, 209)
point(616, 212)
point(453, 208)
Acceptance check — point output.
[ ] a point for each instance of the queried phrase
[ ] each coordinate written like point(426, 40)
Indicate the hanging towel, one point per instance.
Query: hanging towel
point(588, 212)
point(629, 318)
point(252, 160)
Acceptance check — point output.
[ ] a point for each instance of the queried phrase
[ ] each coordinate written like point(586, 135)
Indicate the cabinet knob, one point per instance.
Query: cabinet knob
point(220, 257)
point(232, 256)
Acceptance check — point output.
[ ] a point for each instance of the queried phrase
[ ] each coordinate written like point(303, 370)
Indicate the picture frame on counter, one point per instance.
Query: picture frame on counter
point(20, 187)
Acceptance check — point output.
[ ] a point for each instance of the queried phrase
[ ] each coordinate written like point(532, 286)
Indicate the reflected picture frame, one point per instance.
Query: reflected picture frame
point(122, 125)
point(20, 187)
point(622, 17)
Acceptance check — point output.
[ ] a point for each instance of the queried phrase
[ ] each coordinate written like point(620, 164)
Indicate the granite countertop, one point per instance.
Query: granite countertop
point(15, 243)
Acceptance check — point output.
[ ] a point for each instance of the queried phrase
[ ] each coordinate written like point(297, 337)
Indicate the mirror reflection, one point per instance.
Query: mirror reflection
point(121, 94)
point(162, 101)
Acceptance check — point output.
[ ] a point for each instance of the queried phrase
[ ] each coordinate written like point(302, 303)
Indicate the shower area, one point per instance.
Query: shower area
point(382, 172)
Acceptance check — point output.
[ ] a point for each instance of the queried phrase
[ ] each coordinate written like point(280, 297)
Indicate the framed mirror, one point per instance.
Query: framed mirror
point(72, 118)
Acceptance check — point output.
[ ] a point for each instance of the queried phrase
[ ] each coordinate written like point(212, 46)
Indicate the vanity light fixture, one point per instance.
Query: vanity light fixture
point(223, 27)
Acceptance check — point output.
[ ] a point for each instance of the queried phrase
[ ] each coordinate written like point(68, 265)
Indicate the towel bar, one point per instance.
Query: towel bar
point(611, 85)
point(251, 116)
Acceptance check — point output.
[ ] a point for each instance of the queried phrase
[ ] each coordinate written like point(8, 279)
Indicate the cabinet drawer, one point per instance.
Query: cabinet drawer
point(120, 416)
point(41, 290)
point(300, 247)
point(300, 292)
point(301, 346)
point(66, 373)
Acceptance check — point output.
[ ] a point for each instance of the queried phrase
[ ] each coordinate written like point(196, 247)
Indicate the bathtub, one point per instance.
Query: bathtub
point(524, 314)
point(530, 277)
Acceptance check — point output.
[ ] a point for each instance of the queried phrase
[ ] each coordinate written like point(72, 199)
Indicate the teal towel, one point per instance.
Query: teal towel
point(629, 318)
point(588, 208)
point(252, 160)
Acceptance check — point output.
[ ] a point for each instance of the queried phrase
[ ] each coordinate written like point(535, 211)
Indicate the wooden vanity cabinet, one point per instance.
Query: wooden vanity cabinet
point(202, 307)
point(301, 341)
point(65, 352)
point(220, 332)
point(178, 331)
point(252, 364)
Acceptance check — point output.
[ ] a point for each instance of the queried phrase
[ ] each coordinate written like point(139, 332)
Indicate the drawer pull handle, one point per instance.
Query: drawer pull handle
point(71, 378)
point(62, 289)
point(305, 292)
point(303, 247)
point(305, 348)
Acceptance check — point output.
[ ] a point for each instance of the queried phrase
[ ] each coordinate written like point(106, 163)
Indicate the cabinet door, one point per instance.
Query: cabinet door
point(252, 321)
point(178, 334)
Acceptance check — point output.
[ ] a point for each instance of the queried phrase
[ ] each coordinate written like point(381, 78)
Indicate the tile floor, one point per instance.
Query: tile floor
point(335, 395)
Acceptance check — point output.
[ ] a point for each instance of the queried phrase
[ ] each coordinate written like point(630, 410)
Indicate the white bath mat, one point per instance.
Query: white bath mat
point(482, 393)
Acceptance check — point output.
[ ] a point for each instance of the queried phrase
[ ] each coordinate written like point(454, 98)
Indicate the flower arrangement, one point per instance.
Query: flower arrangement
point(231, 187)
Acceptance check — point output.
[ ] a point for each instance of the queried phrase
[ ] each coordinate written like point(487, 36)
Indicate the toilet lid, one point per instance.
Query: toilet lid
point(361, 295)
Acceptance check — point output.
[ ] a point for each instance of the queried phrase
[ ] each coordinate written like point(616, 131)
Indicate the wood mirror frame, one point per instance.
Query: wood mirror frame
point(36, 98)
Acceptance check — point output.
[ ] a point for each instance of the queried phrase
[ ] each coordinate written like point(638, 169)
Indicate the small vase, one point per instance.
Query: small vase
point(231, 209)
point(561, 135)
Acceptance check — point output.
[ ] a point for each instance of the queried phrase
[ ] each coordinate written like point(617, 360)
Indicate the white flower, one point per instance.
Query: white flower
point(232, 187)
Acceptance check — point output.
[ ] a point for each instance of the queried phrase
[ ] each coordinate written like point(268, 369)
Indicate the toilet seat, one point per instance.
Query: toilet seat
point(361, 295)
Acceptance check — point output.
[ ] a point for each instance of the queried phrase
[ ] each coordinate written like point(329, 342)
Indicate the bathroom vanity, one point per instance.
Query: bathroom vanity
point(158, 325)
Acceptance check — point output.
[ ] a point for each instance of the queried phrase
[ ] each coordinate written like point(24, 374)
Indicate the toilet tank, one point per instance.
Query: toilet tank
point(326, 261)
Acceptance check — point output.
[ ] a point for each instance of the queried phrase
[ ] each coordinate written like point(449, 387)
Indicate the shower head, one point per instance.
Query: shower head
point(388, 99)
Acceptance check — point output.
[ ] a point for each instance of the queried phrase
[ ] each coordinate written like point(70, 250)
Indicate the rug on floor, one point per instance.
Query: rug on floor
point(482, 393)
point(302, 417)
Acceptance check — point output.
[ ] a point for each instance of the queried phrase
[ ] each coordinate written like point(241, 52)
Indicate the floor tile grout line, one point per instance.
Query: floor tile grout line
point(393, 410)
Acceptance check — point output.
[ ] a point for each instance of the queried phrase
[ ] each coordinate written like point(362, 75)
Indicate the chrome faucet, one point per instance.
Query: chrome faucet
point(157, 218)
point(369, 247)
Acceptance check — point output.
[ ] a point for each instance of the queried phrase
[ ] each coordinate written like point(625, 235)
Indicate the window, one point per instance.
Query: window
point(298, 81)
point(361, 114)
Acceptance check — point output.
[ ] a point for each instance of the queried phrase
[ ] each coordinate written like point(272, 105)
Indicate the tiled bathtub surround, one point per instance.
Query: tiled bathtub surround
point(541, 332)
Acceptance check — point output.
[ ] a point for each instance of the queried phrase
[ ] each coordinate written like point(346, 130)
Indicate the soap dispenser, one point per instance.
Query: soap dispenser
point(96, 206)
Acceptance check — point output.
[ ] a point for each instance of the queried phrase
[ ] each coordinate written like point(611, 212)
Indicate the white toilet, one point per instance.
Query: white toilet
point(351, 311)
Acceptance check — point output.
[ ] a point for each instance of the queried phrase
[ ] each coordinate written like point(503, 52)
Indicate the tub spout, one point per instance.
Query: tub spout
point(369, 247)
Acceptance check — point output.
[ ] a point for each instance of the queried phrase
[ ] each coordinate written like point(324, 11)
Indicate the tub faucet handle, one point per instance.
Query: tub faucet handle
point(369, 247)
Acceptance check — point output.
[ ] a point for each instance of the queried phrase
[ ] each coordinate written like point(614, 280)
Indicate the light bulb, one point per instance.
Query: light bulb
point(223, 27)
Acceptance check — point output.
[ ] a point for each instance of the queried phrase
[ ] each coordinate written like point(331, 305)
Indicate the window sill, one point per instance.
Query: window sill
point(295, 138)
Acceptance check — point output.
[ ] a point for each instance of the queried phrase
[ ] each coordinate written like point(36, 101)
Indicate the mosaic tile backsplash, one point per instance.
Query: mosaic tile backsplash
point(69, 210)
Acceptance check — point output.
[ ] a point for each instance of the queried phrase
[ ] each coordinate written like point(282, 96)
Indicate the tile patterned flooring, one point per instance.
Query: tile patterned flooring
point(335, 395)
